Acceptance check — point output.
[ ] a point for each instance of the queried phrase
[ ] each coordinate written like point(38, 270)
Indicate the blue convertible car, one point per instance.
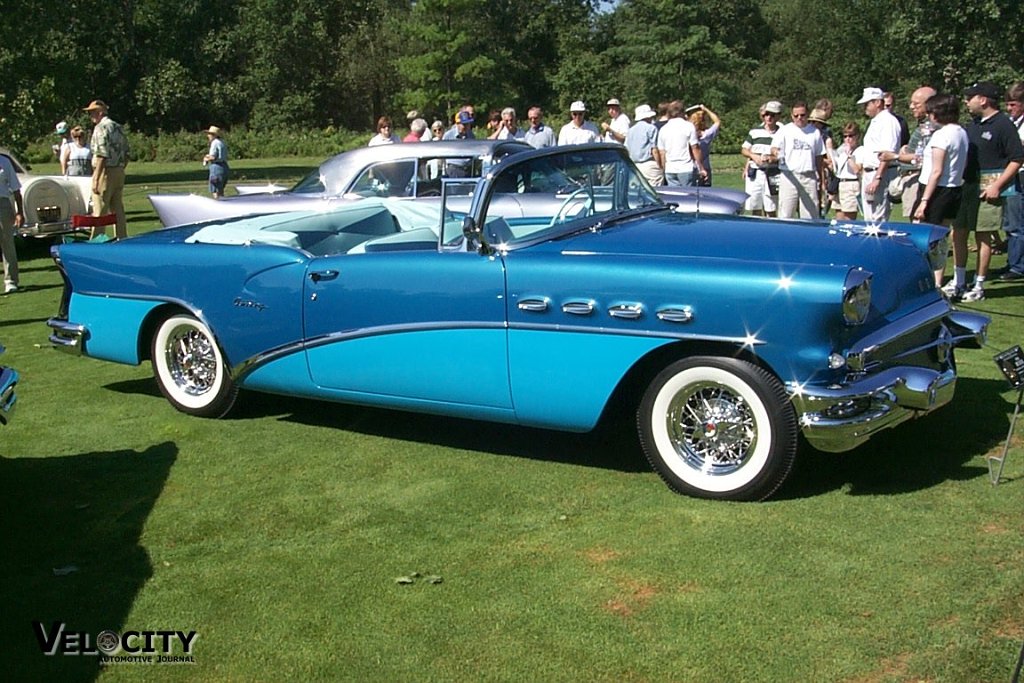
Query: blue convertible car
point(728, 336)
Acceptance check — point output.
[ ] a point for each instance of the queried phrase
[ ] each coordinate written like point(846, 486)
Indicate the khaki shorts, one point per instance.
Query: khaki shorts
point(849, 192)
point(977, 215)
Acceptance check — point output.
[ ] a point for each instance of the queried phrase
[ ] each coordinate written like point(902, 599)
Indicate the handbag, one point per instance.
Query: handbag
point(832, 183)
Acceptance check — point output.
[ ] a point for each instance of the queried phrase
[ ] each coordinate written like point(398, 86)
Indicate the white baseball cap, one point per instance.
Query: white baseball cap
point(577, 106)
point(870, 94)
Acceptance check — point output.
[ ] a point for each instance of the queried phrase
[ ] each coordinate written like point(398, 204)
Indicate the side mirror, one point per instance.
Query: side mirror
point(475, 237)
point(470, 230)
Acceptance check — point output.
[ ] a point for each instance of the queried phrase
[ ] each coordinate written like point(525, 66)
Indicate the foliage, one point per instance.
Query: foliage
point(274, 65)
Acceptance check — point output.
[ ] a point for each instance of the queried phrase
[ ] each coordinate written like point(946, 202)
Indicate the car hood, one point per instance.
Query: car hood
point(901, 274)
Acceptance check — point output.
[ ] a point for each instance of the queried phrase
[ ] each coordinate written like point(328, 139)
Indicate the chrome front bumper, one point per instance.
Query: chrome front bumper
point(69, 337)
point(841, 417)
point(8, 399)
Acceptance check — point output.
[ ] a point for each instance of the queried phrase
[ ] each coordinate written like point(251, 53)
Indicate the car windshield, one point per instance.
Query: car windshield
point(411, 177)
point(558, 193)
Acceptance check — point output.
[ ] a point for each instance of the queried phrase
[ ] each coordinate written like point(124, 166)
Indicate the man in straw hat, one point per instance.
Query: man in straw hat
point(109, 159)
point(217, 161)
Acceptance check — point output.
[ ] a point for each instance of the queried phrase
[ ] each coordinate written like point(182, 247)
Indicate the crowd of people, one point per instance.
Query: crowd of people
point(671, 146)
point(104, 158)
point(968, 178)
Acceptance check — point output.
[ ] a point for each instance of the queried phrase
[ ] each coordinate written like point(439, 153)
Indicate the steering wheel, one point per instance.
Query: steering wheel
point(562, 215)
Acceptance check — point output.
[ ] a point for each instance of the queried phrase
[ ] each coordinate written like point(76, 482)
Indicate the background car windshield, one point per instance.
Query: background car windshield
point(562, 191)
point(311, 184)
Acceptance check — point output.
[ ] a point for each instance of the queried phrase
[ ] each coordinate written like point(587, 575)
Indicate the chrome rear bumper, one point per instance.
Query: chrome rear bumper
point(69, 337)
point(8, 399)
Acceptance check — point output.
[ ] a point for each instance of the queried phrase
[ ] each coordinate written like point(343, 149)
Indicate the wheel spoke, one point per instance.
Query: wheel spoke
point(712, 428)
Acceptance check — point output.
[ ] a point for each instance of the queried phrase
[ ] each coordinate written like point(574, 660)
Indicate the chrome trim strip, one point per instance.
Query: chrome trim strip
point(578, 307)
point(627, 311)
point(635, 332)
point(247, 366)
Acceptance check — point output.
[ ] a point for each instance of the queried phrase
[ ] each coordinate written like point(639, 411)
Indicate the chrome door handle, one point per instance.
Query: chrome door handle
point(323, 275)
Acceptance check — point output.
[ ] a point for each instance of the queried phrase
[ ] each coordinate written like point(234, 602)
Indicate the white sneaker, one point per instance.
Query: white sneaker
point(975, 293)
point(10, 288)
point(951, 291)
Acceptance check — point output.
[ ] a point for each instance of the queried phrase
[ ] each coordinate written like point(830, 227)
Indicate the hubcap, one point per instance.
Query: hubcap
point(712, 428)
point(191, 360)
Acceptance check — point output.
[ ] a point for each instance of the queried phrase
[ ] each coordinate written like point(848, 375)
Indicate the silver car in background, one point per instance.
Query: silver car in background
point(413, 171)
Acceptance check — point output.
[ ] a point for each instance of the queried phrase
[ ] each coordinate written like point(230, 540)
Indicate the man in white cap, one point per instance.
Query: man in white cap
point(617, 127)
point(63, 131)
point(762, 173)
point(642, 143)
point(883, 135)
point(578, 131)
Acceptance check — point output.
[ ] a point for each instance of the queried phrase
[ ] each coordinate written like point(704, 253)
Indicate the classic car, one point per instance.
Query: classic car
point(410, 171)
point(8, 398)
point(50, 201)
point(728, 336)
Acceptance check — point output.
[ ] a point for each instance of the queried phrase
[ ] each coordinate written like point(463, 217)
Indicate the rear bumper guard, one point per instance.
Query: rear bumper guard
point(66, 336)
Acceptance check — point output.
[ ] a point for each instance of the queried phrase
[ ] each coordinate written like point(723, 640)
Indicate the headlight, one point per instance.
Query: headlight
point(856, 297)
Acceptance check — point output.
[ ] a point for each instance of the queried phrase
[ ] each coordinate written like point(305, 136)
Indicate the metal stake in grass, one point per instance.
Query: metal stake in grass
point(994, 477)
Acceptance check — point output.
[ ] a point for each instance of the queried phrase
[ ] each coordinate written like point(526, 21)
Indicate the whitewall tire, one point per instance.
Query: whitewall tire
point(718, 428)
point(190, 369)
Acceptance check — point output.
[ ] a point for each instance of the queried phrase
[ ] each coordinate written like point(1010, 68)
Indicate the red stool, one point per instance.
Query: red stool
point(79, 222)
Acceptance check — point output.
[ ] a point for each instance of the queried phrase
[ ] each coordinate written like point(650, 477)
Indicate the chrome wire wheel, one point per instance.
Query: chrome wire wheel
point(718, 428)
point(712, 428)
point(191, 360)
point(190, 369)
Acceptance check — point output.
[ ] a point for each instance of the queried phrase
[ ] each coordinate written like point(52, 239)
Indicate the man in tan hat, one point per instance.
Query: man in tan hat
point(109, 159)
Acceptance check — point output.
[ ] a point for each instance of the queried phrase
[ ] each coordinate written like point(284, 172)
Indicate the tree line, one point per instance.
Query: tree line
point(322, 64)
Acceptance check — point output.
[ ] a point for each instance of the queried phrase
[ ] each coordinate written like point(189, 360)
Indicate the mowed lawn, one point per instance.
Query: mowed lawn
point(312, 541)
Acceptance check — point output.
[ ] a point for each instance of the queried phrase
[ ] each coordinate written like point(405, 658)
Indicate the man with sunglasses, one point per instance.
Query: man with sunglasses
point(578, 131)
point(761, 174)
point(800, 152)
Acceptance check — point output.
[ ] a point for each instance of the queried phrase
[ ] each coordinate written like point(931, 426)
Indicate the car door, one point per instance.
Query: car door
point(409, 327)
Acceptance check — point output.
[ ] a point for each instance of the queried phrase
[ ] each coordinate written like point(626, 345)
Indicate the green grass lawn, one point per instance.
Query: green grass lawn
point(278, 535)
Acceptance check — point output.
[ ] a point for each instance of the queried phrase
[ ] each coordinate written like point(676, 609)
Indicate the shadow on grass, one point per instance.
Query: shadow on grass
point(85, 511)
point(613, 445)
point(915, 455)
